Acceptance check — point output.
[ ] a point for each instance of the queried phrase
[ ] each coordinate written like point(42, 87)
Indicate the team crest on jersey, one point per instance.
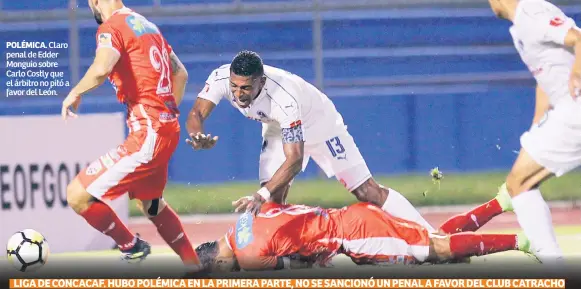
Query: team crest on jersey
point(244, 235)
point(105, 39)
point(557, 22)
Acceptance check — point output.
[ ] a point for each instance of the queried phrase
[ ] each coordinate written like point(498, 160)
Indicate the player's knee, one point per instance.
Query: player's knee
point(370, 191)
point(151, 208)
point(514, 184)
point(77, 197)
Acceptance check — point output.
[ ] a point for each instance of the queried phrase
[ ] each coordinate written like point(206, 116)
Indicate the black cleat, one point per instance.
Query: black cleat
point(138, 252)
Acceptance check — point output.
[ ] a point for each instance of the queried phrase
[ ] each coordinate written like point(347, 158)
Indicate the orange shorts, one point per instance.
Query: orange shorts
point(138, 167)
point(374, 236)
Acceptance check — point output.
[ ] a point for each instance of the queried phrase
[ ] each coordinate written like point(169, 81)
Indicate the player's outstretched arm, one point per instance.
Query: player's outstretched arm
point(195, 124)
point(573, 39)
point(179, 78)
point(105, 60)
point(293, 147)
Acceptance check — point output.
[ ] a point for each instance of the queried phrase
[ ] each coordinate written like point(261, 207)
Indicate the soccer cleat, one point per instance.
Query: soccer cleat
point(504, 199)
point(524, 245)
point(138, 252)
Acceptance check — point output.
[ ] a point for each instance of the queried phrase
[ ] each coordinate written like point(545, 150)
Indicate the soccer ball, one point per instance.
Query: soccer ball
point(27, 250)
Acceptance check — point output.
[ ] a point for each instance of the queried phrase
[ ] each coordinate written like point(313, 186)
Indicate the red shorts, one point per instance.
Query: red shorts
point(374, 236)
point(139, 166)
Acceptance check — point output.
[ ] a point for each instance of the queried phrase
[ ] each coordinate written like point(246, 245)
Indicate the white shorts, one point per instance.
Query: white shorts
point(337, 157)
point(555, 143)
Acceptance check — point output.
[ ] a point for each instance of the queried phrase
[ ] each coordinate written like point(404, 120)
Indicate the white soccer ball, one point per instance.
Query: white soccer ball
point(27, 250)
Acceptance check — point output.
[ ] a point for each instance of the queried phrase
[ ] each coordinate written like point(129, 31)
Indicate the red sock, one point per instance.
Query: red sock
point(471, 244)
point(171, 230)
point(472, 220)
point(105, 220)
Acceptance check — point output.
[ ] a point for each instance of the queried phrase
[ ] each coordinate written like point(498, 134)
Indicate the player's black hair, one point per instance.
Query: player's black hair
point(207, 252)
point(247, 63)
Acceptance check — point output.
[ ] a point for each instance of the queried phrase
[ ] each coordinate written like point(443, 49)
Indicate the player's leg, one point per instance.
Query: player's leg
point(99, 214)
point(340, 156)
point(532, 212)
point(108, 178)
point(149, 193)
point(552, 147)
point(477, 217)
point(170, 228)
point(469, 244)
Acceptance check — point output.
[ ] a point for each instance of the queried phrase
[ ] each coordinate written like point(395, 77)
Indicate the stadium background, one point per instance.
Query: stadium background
point(420, 84)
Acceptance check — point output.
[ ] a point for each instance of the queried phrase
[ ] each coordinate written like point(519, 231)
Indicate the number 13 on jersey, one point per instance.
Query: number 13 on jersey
point(335, 147)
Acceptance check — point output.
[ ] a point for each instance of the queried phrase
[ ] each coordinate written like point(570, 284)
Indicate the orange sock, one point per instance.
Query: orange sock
point(171, 230)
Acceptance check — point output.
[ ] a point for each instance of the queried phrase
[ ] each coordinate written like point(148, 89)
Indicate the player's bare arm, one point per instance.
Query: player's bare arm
point(195, 125)
point(293, 147)
point(179, 78)
point(573, 39)
point(105, 60)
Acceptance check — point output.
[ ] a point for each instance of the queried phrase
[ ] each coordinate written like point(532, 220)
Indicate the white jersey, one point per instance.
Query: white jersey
point(539, 29)
point(286, 101)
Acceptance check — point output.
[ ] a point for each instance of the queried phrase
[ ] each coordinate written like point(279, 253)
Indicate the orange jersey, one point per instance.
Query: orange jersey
point(142, 76)
point(282, 230)
point(362, 231)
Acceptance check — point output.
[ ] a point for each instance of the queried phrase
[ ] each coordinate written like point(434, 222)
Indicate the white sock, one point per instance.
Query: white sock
point(397, 205)
point(534, 216)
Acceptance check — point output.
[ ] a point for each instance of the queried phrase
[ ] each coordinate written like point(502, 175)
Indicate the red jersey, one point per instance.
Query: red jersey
point(282, 230)
point(142, 76)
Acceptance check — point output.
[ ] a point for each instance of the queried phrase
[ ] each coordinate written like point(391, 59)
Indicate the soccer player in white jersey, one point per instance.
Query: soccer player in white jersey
point(549, 43)
point(298, 122)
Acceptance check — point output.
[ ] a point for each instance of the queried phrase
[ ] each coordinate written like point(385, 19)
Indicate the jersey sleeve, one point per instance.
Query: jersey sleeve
point(547, 21)
point(214, 89)
point(109, 37)
point(288, 114)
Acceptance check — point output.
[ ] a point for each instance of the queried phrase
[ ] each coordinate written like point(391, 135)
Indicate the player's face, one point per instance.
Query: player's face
point(96, 13)
point(245, 88)
point(223, 264)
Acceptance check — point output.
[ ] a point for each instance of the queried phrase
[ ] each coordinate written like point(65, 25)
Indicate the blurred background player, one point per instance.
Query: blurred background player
point(549, 43)
point(298, 122)
point(272, 240)
point(150, 80)
point(480, 215)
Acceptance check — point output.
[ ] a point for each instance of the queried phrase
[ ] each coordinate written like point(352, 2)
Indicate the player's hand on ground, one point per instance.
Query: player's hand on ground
point(575, 84)
point(249, 204)
point(201, 141)
point(70, 106)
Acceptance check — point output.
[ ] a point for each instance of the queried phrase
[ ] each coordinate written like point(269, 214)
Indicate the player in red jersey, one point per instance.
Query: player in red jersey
point(150, 80)
point(297, 236)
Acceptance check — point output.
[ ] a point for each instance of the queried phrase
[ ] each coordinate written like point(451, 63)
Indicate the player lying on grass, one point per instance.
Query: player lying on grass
point(298, 236)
